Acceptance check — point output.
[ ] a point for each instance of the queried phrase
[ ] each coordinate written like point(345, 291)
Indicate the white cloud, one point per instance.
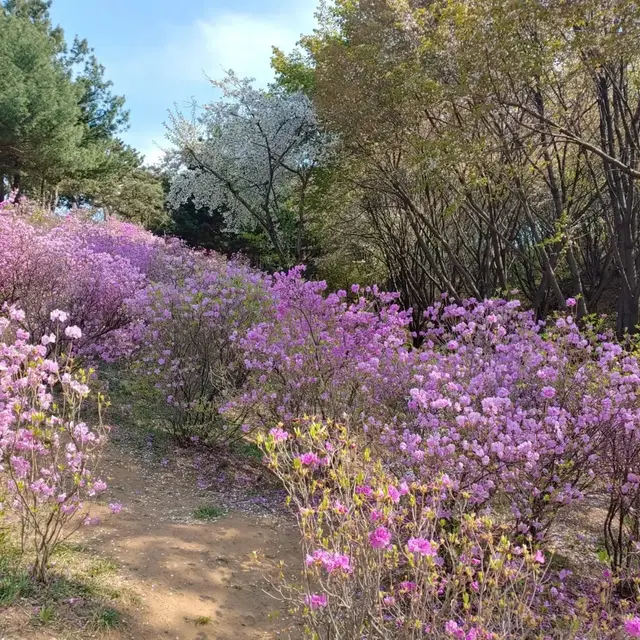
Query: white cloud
point(243, 42)
point(176, 70)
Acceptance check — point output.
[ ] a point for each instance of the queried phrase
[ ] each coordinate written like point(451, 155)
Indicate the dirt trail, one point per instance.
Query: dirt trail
point(184, 570)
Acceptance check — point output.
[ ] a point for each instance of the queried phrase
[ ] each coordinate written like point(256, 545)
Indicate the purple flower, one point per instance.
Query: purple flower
point(421, 546)
point(380, 538)
point(632, 627)
point(115, 507)
point(316, 600)
point(571, 302)
point(548, 392)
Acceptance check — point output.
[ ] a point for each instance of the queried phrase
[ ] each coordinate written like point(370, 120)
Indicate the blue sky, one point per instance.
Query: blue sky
point(157, 52)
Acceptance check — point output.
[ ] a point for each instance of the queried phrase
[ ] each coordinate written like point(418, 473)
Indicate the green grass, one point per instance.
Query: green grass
point(249, 450)
point(202, 621)
point(210, 512)
point(108, 618)
point(46, 615)
point(14, 585)
point(82, 591)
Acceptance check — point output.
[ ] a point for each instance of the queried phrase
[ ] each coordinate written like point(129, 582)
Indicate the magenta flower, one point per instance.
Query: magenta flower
point(278, 435)
point(421, 546)
point(632, 627)
point(309, 459)
point(380, 538)
point(316, 600)
point(394, 494)
point(407, 586)
point(571, 302)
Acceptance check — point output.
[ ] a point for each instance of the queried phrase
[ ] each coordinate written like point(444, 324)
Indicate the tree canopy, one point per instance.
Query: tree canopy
point(60, 121)
point(484, 146)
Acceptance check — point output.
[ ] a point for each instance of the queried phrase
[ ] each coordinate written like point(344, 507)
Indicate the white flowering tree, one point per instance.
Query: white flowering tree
point(254, 153)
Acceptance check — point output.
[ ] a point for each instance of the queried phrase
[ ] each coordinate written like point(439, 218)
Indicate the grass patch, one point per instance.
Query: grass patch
point(14, 585)
point(46, 615)
point(249, 450)
point(209, 512)
point(200, 621)
point(83, 592)
point(108, 618)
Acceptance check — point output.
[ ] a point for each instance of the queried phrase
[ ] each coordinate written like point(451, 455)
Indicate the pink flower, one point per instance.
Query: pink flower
point(394, 494)
point(73, 332)
point(380, 538)
point(453, 629)
point(376, 515)
point(58, 315)
point(309, 459)
point(98, 487)
point(16, 314)
point(316, 600)
point(632, 627)
point(571, 302)
point(421, 546)
point(278, 435)
point(548, 392)
point(331, 561)
point(539, 557)
point(115, 507)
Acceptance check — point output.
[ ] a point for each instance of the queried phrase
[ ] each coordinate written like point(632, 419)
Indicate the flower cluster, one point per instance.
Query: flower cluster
point(324, 355)
point(188, 342)
point(48, 454)
point(390, 559)
point(44, 267)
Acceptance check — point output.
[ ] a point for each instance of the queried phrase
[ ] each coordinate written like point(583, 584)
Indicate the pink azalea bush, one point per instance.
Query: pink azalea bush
point(48, 453)
point(325, 355)
point(43, 268)
point(515, 411)
point(387, 558)
point(189, 343)
point(428, 514)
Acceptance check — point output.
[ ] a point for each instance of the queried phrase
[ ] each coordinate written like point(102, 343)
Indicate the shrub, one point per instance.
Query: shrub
point(45, 268)
point(384, 558)
point(325, 355)
point(189, 346)
point(48, 454)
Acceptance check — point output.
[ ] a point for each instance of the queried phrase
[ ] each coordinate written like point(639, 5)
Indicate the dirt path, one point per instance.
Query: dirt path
point(195, 580)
